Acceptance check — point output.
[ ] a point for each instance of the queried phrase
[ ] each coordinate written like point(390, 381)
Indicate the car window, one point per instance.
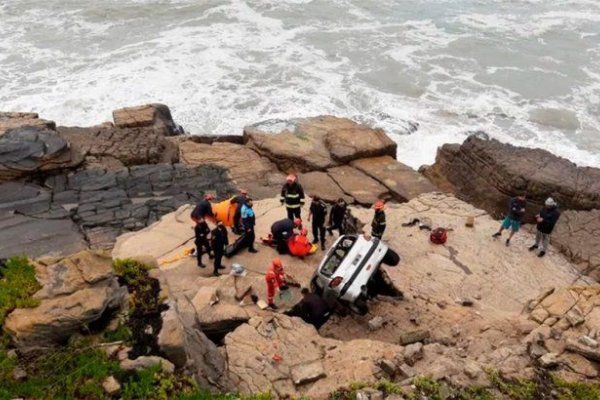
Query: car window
point(337, 255)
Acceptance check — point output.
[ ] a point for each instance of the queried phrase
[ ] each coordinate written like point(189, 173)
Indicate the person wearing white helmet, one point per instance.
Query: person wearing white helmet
point(546, 220)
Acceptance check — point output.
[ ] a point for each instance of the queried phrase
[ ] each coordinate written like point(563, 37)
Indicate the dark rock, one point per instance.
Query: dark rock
point(414, 336)
point(30, 150)
point(486, 173)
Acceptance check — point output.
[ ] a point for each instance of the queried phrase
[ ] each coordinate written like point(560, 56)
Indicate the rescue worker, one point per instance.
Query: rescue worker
point(313, 309)
point(203, 209)
point(275, 278)
point(219, 241)
point(292, 195)
point(378, 223)
point(282, 230)
point(299, 245)
point(336, 216)
point(318, 212)
point(249, 221)
point(240, 200)
point(201, 231)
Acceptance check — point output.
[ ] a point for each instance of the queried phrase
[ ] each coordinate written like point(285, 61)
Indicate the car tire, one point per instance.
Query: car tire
point(391, 258)
point(360, 306)
point(314, 288)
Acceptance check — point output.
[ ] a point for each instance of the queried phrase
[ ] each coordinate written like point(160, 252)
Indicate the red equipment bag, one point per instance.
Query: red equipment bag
point(438, 236)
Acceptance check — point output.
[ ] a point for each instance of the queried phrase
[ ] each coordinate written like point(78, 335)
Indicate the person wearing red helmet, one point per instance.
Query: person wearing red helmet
point(275, 278)
point(378, 223)
point(292, 195)
point(283, 230)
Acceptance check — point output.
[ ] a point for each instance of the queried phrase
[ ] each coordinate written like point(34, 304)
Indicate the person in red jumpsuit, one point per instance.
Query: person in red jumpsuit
point(275, 278)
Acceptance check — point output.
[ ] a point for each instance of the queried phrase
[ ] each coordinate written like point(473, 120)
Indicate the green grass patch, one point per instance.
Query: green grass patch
point(17, 285)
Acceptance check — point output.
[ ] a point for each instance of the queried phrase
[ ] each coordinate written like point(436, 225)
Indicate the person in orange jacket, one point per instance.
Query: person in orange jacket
point(275, 278)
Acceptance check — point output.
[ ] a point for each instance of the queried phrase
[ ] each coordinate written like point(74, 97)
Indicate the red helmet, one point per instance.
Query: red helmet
point(243, 191)
point(209, 196)
point(291, 178)
point(277, 264)
point(298, 222)
point(379, 204)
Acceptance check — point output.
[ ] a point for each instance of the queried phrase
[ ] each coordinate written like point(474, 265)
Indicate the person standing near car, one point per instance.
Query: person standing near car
point(516, 210)
point(275, 279)
point(546, 220)
point(219, 242)
point(249, 221)
point(378, 223)
point(336, 216)
point(292, 196)
point(318, 211)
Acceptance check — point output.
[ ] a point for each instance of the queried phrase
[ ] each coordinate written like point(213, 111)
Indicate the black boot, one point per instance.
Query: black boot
point(532, 248)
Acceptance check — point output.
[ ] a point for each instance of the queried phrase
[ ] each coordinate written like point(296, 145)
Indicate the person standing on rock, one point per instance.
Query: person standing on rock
point(201, 231)
point(292, 195)
point(240, 200)
point(516, 210)
point(219, 243)
point(203, 209)
point(546, 220)
point(249, 221)
point(318, 212)
point(378, 223)
point(275, 278)
point(336, 216)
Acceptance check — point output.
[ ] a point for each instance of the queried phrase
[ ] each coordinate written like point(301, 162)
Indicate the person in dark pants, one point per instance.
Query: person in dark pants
point(240, 200)
point(313, 309)
point(201, 231)
point(219, 242)
point(318, 212)
point(203, 209)
point(378, 223)
point(281, 231)
point(336, 216)
point(516, 210)
point(292, 195)
point(546, 220)
point(249, 221)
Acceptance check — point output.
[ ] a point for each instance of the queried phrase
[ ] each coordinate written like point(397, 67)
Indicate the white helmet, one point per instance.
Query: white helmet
point(550, 202)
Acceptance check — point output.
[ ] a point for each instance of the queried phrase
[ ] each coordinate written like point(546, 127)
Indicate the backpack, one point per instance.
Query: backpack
point(438, 236)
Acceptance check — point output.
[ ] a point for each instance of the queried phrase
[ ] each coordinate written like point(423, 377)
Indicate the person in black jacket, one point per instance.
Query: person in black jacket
point(336, 216)
point(546, 220)
point(282, 230)
point(203, 209)
point(292, 195)
point(313, 309)
point(249, 221)
point(201, 231)
point(318, 212)
point(378, 223)
point(516, 210)
point(219, 242)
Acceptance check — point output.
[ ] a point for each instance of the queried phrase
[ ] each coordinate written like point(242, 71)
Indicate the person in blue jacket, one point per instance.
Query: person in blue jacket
point(546, 220)
point(249, 221)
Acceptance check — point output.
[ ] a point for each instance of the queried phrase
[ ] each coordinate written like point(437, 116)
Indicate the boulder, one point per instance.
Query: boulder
point(155, 115)
point(144, 362)
point(287, 357)
point(403, 182)
point(76, 291)
point(321, 184)
point(13, 120)
point(171, 338)
point(309, 144)
point(577, 235)
point(245, 167)
point(361, 187)
point(486, 173)
point(111, 386)
point(29, 150)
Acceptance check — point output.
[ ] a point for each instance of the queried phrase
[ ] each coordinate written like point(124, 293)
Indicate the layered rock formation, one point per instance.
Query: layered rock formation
point(76, 291)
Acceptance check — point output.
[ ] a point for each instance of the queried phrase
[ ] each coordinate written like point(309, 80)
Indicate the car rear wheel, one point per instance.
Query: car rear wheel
point(391, 258)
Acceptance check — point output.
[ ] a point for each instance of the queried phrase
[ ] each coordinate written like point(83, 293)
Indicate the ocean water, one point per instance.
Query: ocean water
point(429, 72)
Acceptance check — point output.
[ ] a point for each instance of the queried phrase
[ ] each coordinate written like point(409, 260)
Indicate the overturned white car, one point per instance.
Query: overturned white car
point(350, 269)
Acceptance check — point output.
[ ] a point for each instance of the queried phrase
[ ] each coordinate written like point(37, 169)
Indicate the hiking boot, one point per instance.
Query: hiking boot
point(252, 251)
point(221, 267)
point(211, 256)
point(532, 248)
point(542, 253)
point(315, 241)
point(272, 306)
point(507, 242)
point(201, 266)
point(497, 234)
point(216, 273)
